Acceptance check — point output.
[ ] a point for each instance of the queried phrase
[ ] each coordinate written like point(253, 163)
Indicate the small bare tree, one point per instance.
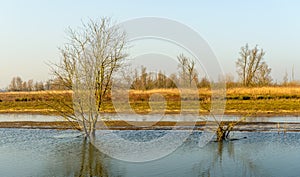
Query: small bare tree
point(251, 68)
point(223, 128)
point(92, 55)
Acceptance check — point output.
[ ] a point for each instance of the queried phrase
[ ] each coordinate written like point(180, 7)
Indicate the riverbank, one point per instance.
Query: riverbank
point(263, 101)
point(165, 125)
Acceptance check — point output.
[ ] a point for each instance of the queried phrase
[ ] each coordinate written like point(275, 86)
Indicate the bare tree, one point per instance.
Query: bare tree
point(285, 79)
point(263, 78)
point(188, 72)
point(47, 85)
point(92, 55)
point(39, 86)
point(24, 86)
point(251, 68)
point(30, 85)
point(16, 84)
point(161, 80)
point(171, 81)
point(19, 83)
point(12, 85)
point(293, 74)
point(144, 76)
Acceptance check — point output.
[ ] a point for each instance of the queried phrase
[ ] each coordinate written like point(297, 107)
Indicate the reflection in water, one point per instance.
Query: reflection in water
point(218, 166)
point(91, 164)
point(63, 153)
point(81, 160)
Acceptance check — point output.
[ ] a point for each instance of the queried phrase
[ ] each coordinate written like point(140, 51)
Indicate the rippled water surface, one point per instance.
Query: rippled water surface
point(28, 152)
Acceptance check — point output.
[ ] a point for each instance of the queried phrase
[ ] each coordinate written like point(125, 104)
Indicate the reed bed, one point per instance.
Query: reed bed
point(262, 100)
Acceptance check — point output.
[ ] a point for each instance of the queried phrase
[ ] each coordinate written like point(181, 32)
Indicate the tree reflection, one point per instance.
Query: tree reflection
point(91, 161)
point(224, 157)
point(80, 158)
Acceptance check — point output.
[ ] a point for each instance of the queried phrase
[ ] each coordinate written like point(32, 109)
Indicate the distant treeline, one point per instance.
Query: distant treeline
point(252, 71)
point(143, 80)
point(17, 85)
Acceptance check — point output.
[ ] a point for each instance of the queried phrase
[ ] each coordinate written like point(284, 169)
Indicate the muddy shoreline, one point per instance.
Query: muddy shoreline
point(164, 125)
point(226, 113)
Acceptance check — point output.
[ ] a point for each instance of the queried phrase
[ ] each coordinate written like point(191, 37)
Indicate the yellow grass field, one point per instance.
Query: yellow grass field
point(259, 101)
point(278, 91)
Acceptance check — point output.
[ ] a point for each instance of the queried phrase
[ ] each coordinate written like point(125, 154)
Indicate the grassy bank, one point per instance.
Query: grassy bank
point(258, 101)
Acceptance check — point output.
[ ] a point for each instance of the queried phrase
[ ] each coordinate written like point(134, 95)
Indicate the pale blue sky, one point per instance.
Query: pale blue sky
point(32, 30)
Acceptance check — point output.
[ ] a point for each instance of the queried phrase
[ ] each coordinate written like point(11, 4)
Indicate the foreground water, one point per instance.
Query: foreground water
point(28, 152)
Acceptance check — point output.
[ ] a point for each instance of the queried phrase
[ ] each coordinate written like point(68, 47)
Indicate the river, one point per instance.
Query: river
point(48, 152)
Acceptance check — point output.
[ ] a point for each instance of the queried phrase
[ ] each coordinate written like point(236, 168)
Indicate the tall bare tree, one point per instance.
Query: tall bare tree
point(89, 59)
point(285, 79)
point(251, 68)
point(188, 72)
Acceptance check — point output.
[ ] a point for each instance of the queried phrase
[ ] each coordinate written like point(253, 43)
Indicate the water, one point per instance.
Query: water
point(34, 152)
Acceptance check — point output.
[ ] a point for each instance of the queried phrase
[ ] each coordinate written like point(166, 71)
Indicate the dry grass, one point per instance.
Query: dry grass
point(37, 92)
point(231, 91)
point(172, 91)
point(264, 100)
point(264, 91)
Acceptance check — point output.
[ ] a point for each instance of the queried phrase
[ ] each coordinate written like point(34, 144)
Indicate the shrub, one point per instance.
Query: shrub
point(22, 99)
point(246, 97)
point(260, 97)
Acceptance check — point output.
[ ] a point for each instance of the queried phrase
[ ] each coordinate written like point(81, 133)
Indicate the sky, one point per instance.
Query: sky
point(32, 30)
